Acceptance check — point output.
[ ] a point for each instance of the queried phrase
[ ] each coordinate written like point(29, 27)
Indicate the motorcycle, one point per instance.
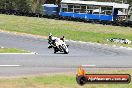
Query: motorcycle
point(61, 46)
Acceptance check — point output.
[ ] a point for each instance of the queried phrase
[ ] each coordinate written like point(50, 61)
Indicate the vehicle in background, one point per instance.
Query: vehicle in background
point(102, 12)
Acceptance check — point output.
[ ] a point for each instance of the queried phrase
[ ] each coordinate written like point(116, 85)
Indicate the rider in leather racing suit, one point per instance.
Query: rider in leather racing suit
point(52, 40)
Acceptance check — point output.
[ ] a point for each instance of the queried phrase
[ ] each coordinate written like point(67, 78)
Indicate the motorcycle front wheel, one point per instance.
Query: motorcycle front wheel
point(65, 49)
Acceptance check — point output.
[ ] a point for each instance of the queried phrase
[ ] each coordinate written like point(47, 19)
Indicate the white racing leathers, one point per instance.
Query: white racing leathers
point(51, 42)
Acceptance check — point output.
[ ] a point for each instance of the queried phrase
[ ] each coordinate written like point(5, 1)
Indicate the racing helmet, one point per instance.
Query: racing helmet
point(50, 36)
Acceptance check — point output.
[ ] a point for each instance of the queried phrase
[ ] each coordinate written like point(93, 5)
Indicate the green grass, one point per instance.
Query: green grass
point(60, 81)
point(72, 30)
point(12, 50)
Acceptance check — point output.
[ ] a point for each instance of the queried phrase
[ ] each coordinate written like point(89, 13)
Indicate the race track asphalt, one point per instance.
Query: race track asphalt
point(102, 56)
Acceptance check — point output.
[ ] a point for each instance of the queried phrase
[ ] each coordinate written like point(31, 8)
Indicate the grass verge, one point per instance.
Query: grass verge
point(12, 50)
point(72, 30)
point(60, 81)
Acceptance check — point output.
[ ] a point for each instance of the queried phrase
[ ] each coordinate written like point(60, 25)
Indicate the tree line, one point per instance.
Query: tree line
point(118, 1)
point(34, 6)
point(22, 5)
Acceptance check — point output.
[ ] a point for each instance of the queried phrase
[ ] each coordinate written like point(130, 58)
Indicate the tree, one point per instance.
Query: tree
point(22, 5)
point(36, 5)
point(119, 1)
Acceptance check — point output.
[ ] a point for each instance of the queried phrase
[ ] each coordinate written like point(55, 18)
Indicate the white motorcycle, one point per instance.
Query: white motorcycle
point(61, 46)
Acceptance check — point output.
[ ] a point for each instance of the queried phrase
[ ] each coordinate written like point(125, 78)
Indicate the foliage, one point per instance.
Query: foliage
point(119, 1)
point(35, 5)
point(25, 5)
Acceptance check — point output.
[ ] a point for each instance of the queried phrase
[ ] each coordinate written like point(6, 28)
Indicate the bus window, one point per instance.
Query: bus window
point(77, 8)
point(105, 10)
point(64, 7)
point(83, 9)
point(70, 8)
point(93, 9)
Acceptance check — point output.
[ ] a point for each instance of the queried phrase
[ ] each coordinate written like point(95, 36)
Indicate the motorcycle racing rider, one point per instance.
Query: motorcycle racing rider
point(52, 40)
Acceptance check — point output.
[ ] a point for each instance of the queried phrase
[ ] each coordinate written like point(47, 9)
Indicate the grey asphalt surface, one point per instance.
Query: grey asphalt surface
point(47, 62)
